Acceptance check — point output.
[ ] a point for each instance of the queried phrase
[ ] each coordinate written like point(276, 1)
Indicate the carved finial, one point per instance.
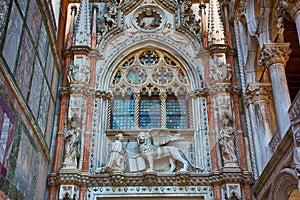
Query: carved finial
point(83, 32)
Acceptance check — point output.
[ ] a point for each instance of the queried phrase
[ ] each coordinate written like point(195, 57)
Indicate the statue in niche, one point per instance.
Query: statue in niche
point(117, 157)
point(110, 15)
point(296, 156)
point(151, 152)
point(71, 145)
point(226, 141)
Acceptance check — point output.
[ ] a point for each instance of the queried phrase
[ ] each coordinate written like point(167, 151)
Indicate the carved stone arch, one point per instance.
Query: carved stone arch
point(187, 61)
point(284, 183)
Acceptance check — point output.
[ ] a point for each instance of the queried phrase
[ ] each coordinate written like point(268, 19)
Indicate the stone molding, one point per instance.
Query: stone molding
point(288, 8)
point(85, 90)
point(216, 88)
point(149, 179)
point(274, 53)
point(259, 92)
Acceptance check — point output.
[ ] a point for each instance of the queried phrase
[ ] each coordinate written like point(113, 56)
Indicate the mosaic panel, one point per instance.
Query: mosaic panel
point(43, 111)
point(43, 43)
point(25, 169)
point(36, 86)
point(12, 38)
point(25, 64)
point(49, 66)
point(23, 5)
point(34, 19)
point(50, 123)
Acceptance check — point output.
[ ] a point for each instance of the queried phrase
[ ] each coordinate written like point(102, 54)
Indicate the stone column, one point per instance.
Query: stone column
point(260, 106)
point(136, 114)
point(163, 110)
point(274, 57)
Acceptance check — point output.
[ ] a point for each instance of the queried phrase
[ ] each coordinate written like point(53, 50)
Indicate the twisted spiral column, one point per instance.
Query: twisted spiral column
point(108, 125)
point(163, 110)
point(136, 116)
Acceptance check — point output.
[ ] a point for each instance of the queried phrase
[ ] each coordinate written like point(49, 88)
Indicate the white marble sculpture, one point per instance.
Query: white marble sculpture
point(117, 158)
point(152, 151)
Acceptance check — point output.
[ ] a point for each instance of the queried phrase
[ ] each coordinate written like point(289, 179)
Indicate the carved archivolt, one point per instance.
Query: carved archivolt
point(149, 71)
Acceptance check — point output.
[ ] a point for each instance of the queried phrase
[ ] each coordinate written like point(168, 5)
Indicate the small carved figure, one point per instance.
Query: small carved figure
point(150, 151)
point(226, 140)
point(78, 73)
point(296, 156)
point(71, 142)
point(117, 157)
point(150, 20)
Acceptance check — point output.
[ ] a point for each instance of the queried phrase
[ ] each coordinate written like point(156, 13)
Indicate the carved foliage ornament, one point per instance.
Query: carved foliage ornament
point(274, 53)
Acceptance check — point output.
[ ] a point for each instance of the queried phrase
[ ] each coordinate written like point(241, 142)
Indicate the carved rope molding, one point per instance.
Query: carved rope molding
point(148, 179)
point(274, 53)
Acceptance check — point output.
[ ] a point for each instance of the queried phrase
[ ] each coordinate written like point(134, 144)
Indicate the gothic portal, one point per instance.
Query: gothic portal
point(149, 99)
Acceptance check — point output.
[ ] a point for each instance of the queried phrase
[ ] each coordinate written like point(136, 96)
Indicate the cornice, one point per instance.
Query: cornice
point(214, 89)
point(148, 179)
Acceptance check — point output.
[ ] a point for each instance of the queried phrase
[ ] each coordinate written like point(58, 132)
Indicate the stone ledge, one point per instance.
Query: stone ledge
point(149, 179)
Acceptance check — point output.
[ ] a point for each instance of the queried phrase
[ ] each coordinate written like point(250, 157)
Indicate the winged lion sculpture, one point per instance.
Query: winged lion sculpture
point(149, 144)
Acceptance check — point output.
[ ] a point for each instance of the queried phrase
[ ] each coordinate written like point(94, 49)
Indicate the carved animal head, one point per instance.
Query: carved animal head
point(143, 138)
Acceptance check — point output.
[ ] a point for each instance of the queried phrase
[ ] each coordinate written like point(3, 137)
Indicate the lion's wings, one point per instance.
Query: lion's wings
point(163, 136)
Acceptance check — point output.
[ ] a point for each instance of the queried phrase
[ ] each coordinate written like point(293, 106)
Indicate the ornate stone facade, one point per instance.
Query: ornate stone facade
point(149, 99)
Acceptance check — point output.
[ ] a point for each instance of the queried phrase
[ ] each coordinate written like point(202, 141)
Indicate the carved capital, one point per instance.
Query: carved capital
point(288, 9)
point(258, 92)
point(274, 53)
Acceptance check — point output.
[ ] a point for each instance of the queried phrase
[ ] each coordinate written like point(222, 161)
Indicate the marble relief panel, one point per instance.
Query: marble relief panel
point(43, 45)
point(35, 90)
point(25, 64)
point(34, 19)
point(49, 66)
point(43, 111)
point(50, 123)
point(25, 167)
point(23, 5)
point(12, 37)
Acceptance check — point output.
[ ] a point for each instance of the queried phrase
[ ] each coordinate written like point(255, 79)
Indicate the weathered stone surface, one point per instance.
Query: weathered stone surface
point(25, 64)
point(36, 87)
point(12, 39)
point(43, 110)
point(34, 20)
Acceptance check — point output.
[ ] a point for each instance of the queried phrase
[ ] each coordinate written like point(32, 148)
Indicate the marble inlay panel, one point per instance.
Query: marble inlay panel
point(55, 83)
point(49, 123)
point(43, 45)
point(49, 66)
point(34, 19)
point(43, 111)
point(24, 171)
point(41, 179)
point(12, 38)
point(35, 90)
point(25, 64)
point(23, 5)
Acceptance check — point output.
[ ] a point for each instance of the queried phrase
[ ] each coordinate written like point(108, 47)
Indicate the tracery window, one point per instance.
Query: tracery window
point(149, 91)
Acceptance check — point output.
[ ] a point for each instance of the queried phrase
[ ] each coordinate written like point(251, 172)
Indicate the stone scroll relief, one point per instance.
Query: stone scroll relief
point(153, 154)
